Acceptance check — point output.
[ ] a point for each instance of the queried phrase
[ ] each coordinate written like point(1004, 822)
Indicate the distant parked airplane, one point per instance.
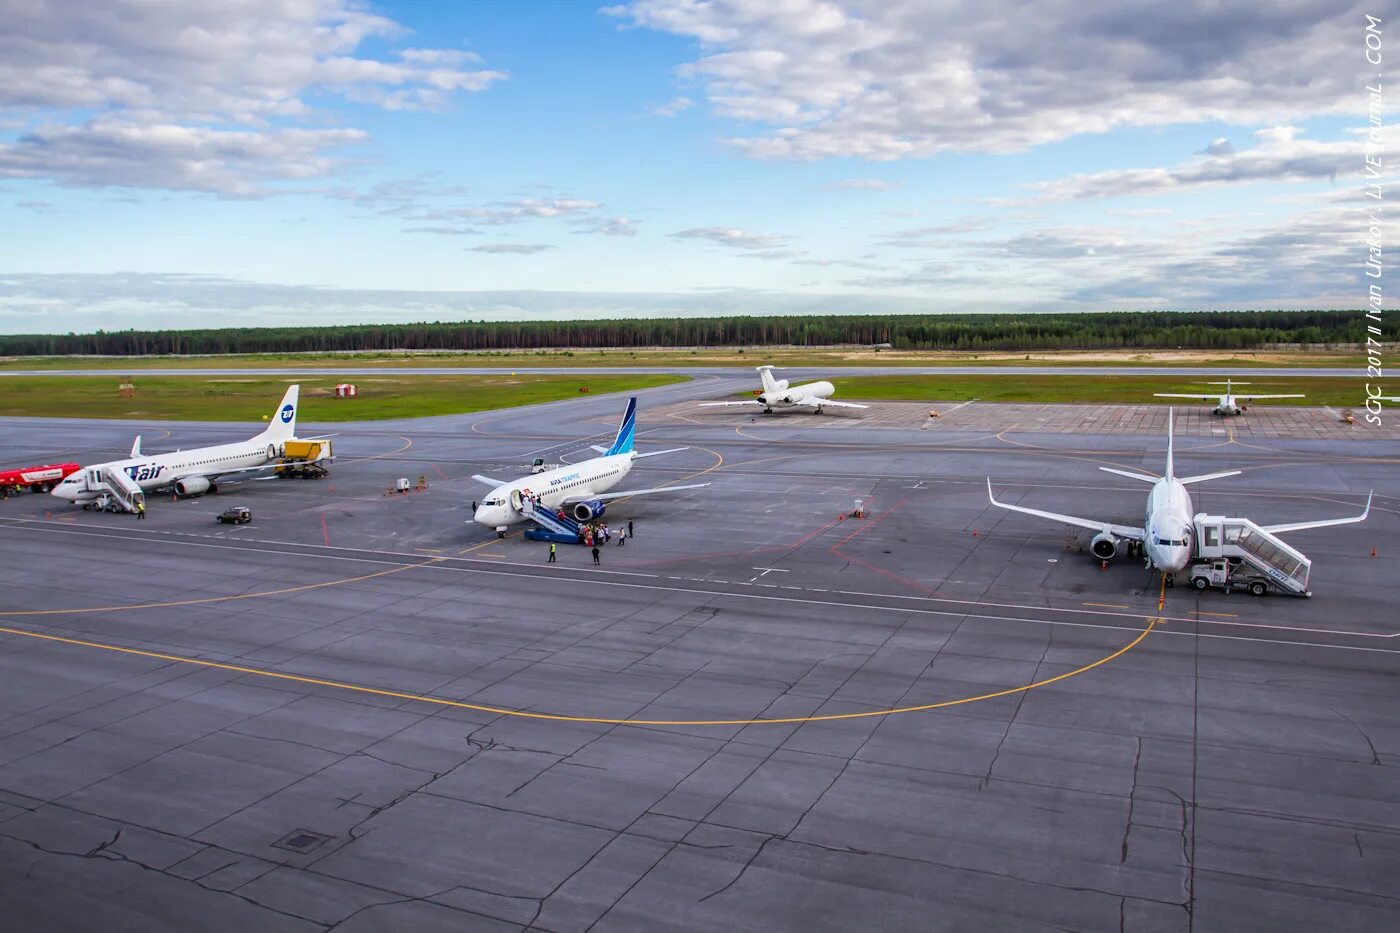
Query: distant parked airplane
point(1226, 403)
point(777, 392)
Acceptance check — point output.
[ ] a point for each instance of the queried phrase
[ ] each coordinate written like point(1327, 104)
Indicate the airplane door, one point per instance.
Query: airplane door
point(516, 502)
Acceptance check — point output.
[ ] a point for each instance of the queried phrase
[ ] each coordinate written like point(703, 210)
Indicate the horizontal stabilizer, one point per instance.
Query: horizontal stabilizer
point(1131, 475)
point(599, 447)
point(493, 483)
point(1188, 480)
point(657, 453)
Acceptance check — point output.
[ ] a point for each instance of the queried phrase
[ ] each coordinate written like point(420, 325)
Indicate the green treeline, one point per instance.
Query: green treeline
point(1226, 330)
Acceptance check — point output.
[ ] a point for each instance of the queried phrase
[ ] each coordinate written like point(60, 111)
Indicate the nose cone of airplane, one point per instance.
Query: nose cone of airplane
point(65, 491)
point(492, 516)
point(1173, 559)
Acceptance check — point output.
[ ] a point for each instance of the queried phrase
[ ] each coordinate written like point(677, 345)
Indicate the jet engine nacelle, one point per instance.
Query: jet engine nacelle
point(1104, 546)
point(192, 486)
point(780, 384)
point(587, 511)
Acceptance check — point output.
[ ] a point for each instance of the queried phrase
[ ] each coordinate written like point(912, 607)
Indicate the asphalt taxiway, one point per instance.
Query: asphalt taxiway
point(360, 712)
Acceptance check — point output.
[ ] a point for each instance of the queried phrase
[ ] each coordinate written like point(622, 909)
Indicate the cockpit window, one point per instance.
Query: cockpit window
point(1167, 542)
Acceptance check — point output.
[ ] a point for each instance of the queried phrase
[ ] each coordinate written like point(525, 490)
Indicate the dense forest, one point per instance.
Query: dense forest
point(1232, 330)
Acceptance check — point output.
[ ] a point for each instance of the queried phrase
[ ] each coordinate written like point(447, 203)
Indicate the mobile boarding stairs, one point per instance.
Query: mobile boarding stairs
point(118, 492)
point(1246, 545)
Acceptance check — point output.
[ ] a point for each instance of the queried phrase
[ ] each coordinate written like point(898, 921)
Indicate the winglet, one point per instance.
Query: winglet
point(991, 498)
point(136, 448)
point(626, 432)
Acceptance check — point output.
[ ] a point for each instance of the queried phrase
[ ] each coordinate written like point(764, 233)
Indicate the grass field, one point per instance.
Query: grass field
point(1336, 391)
point(252, 398)
point(845, 356)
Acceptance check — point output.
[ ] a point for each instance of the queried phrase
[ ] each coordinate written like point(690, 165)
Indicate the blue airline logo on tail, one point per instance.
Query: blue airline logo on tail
point(623, 443)
point(287, 412)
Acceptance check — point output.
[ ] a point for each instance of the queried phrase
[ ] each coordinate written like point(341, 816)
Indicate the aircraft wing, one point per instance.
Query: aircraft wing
point(1299, 526)
point(828, 401)
point(218, 474)
point(1202, 398)
point(631, 492)
point(1120, 531)
point(493, 483)
point(719, 404)
point(1248, 397)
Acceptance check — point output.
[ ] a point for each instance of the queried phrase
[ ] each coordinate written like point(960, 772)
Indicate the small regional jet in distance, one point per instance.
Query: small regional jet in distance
point(582, 488)
point(1165, 539)
point(776, 392)
point(1226, 403)
point(195, 471)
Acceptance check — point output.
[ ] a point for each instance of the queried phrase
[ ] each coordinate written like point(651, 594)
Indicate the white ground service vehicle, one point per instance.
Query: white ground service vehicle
point(1228, 575)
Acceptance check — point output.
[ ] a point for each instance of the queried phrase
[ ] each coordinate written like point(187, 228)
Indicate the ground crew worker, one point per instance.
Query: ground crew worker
point(552, 559)
point(621, 537)
point(630, 532)
point(473, 506)
point(140, 510)
point(595, 555)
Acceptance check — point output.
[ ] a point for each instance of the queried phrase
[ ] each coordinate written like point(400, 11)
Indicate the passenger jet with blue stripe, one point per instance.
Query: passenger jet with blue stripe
point(581, 489)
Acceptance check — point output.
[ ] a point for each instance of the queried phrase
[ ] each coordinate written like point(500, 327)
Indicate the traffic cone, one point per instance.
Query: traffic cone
point(974, 532)
point(1373, 552)
point(1103, 565)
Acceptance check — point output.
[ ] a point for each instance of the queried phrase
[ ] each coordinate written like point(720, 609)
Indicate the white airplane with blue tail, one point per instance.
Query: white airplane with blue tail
point(581, 489)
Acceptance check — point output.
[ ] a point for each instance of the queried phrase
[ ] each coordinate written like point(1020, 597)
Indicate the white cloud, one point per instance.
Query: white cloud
point(890, 79)
point(112, 152)
point(730, 236)
point(863, 184)
point(36, 303)
point(673, 107)
point(608, 226)
point(523, 249)
point(1280, 156)
point(501, 213)
point(209, 96)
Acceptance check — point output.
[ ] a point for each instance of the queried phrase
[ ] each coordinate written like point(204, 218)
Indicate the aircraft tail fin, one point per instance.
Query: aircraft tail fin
point(1171, 467)
point(626, 432)
point(765, 375)
point(283, 423)
point(136, 447)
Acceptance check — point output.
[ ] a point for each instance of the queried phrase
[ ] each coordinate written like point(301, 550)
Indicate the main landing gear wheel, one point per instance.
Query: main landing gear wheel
point(1171, 579)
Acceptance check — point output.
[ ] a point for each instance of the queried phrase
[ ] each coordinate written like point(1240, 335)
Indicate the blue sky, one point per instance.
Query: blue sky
point(326, 161)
